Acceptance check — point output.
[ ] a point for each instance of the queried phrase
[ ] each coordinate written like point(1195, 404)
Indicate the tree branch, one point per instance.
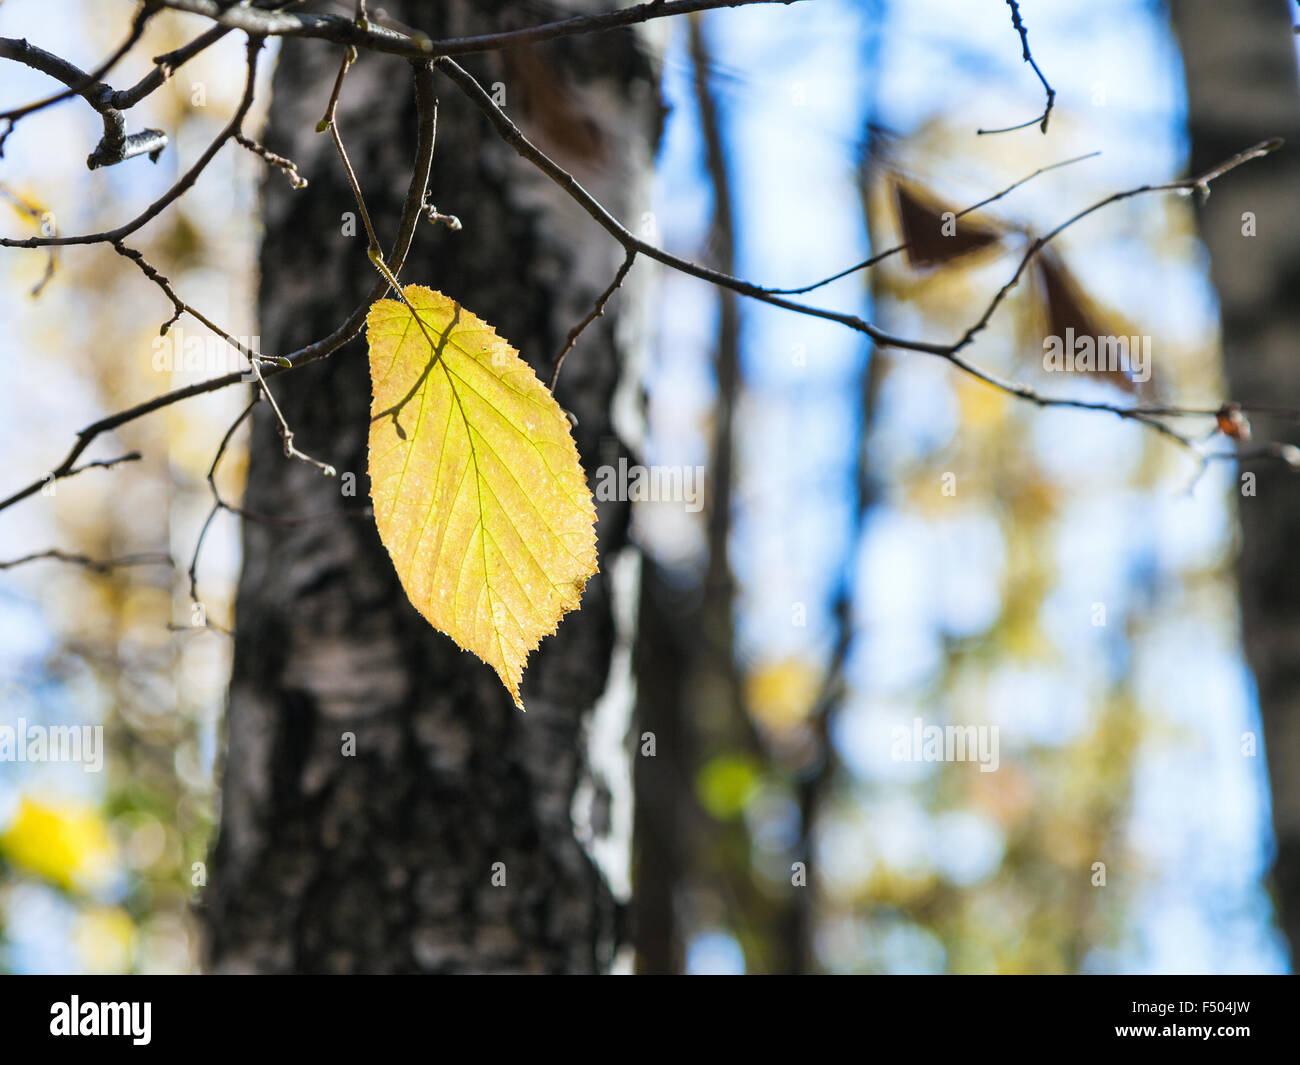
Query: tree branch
point(10, 118)
point(346, 31)
point(367, 35)
point(95, 565)
point(1199, 185)
point(116, 145)
point(412, 210)
point(881, 256)
point(1040, 120)
point(596, 311)
point(164, 67)
point(233, 127)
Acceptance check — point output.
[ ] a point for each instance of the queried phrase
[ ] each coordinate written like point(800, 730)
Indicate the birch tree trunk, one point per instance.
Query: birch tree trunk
point(460, 834)
point(1241, 86)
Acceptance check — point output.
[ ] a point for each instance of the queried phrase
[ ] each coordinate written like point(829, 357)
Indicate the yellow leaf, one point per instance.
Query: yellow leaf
point(478, 492)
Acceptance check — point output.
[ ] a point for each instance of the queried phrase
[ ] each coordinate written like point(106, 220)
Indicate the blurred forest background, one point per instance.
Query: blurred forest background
point(830, 591)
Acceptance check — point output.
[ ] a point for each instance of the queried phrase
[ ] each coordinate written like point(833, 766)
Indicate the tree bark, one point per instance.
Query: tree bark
point(385, 861)
point(1241, 88)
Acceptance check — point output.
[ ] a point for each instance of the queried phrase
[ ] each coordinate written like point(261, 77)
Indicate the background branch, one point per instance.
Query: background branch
point(95, 565)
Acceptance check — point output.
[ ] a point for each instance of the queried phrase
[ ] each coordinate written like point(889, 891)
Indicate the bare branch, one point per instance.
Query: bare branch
point(880, 257)
point(164, 67)
point(289, 167)
point(95, 565)
point(512, 135)
point(10, 118)
point(1199, 184)
point(361, 34)
point(1040, 120)
point(187, 180)
point(412, 209)
point(369, 36)
point(67, 469)
point(116, 145)
point(595, 312)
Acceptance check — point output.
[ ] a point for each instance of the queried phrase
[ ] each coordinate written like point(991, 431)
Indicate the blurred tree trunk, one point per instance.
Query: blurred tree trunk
point(697, 713)
point(1241, 86)
point(384, 861)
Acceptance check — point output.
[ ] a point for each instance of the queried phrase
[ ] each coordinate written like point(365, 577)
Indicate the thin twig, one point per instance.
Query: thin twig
point(220, 503)
point(105, 464)
point(217, 504)
point(147, 10)
point(95, 565)
point(375, 38)
point(164, 67)
point(183, 185)
point(374, 251)
point(115, 145)
point(1199, 184)
point(595, 312)
point(62, 474)
point(881, 256)
point(318, 349)
point(286, 434)
point(181, 307)
point(1040, 120)
point(289, 167)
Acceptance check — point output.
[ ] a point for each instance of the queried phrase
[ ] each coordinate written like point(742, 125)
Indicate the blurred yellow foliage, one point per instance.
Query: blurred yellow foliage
point(781, 694)
point(65, 841)
point(105, 938)
point(982, 406)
